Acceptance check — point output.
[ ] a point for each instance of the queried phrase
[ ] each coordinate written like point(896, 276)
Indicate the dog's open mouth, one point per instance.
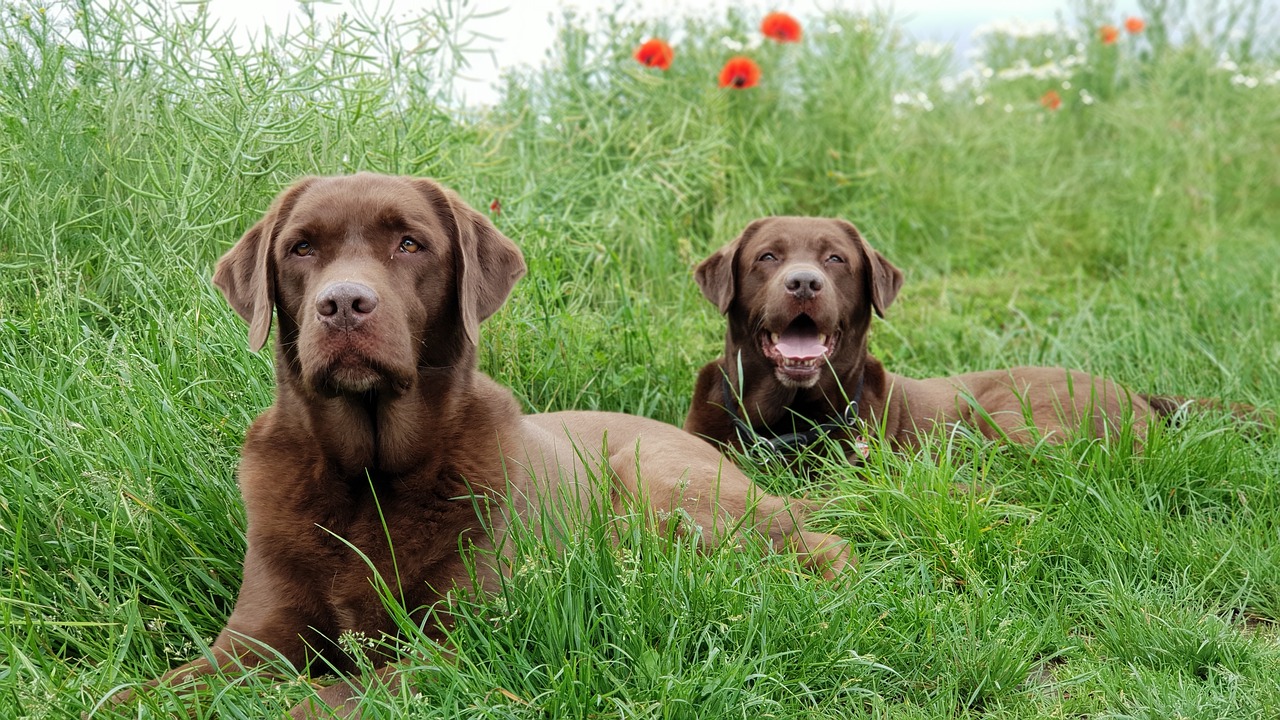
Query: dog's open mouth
point(798, 352)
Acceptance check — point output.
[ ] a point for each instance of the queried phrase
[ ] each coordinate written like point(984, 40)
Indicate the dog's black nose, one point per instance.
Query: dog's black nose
point(346, 304)
point(804, 284)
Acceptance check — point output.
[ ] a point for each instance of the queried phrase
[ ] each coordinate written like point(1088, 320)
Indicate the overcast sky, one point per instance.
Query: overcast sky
point(522, 29)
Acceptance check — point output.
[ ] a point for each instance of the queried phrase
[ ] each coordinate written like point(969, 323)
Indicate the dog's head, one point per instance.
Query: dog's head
point(800, 292)
point(371, 277)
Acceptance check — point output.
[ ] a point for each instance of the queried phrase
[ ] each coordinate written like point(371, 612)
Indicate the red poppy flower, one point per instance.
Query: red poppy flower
point(495, 207)
point(1109, 34)
point(1051, 100)
point(1134, 25)
point(781, 27)
point(740, 72)
point(655, 53)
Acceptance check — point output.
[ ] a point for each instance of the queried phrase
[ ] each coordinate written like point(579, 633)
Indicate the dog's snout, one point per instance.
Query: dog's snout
point(804, 284)
point(346, 304)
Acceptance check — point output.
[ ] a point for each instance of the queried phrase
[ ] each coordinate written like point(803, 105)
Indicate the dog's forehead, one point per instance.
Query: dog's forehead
point(362, 204)
point(801, 233)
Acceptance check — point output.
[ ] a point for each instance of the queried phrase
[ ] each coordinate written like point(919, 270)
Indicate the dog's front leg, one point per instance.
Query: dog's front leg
point(188, 678)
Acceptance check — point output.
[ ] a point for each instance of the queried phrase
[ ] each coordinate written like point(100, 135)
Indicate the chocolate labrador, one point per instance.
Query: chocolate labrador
point(799, 294)
point(385, 435)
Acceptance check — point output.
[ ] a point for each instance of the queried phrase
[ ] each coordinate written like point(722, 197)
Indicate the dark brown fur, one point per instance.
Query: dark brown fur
point(753, 281)
point(384, 434)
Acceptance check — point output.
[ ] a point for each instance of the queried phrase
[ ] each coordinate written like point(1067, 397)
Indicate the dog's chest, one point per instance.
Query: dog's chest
point(377, 539)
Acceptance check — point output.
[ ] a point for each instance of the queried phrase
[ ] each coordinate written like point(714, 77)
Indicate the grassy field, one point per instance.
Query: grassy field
point(1134, 231)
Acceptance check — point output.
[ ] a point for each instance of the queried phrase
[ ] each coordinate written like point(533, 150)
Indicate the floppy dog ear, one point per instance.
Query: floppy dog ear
point(886, 279)
point(487, 263)
point(716, 275)
point(246, 273)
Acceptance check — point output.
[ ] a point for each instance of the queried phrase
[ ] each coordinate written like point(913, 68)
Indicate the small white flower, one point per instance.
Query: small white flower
point(1018, 29)
point(905, 99)
point(1008, 108)
point(1066, 84)
point(731, 44)
point(932, 49)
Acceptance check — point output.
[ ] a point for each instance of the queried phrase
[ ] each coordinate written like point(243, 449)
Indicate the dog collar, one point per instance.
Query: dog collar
point(794, 443)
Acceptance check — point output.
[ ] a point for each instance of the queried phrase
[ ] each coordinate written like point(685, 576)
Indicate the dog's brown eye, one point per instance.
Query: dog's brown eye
point(767, 257)
point(835, 259)
point(303, 249)
point(409, 245)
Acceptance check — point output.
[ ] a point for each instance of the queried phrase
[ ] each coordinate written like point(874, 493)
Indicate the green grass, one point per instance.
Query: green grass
point(1135, 236)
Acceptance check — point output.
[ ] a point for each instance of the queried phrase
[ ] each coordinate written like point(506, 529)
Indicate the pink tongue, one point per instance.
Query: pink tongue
point(800, 345)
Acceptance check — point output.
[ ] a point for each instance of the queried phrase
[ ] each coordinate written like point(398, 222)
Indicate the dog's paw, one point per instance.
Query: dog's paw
point(331, 702)
point(827, 555)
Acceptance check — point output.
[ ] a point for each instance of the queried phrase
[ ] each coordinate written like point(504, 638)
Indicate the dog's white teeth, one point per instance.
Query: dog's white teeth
point(822, 338)
point(773, 338)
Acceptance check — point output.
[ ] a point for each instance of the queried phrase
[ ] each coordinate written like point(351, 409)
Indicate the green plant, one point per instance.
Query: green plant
point(1133, 237)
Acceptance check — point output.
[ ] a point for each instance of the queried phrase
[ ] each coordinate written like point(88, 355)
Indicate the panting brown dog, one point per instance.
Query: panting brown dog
point(799, 294)
point(385, 435)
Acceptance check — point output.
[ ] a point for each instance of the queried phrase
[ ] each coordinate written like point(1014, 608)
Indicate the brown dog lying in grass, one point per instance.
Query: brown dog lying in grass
point(799, 294)
point(385, 435)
